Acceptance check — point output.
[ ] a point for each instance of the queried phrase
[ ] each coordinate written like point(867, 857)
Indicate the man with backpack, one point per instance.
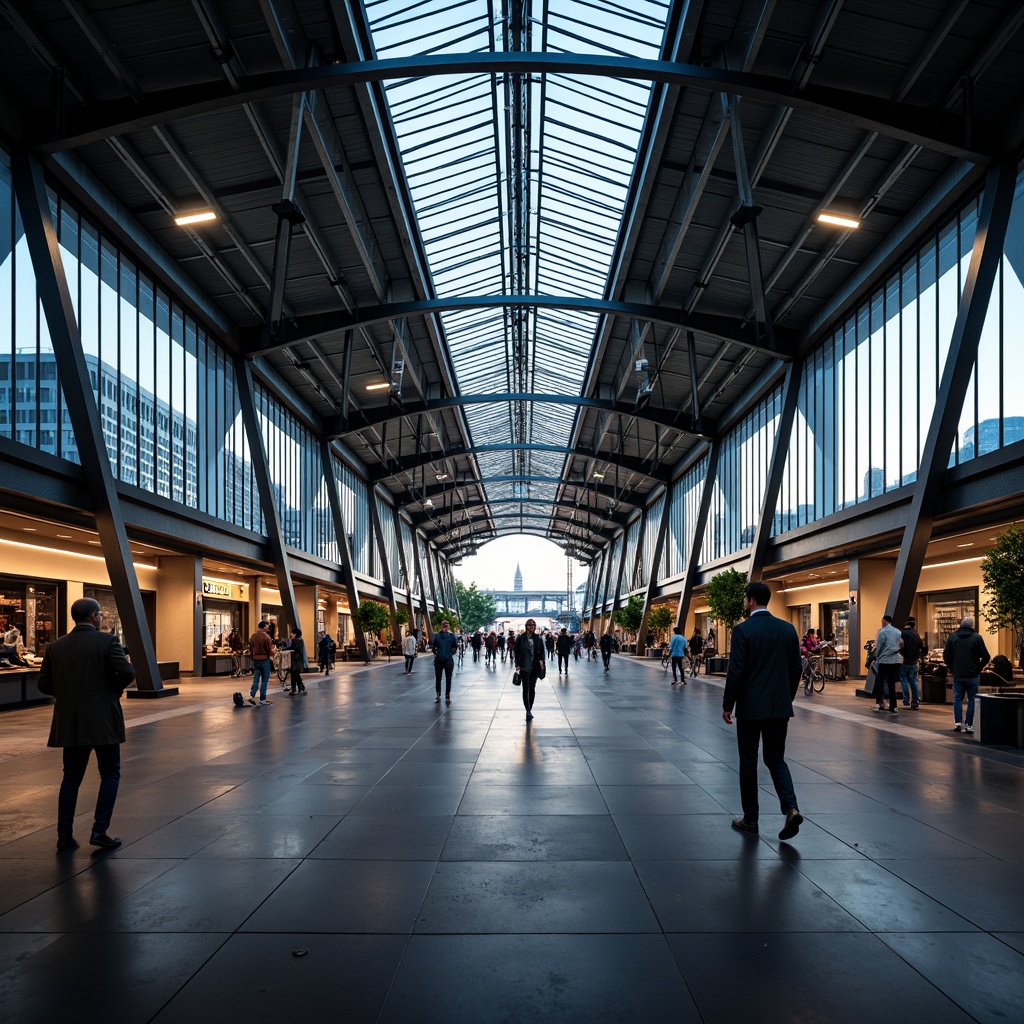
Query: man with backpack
point(966, 654)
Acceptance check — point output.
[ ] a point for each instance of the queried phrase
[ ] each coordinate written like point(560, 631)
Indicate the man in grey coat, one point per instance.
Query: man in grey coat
point(764, 672)
point(86, 671)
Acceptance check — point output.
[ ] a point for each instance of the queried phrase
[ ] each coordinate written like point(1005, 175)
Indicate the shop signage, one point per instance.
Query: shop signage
point(218, 589)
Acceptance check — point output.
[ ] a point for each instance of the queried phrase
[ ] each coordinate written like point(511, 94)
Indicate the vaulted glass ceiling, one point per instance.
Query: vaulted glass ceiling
point(520, 183)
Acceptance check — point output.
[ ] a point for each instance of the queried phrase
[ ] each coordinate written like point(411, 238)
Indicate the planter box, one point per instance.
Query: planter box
point(716, 666)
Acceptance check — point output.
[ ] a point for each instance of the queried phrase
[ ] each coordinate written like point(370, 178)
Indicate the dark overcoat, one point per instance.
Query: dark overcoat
point(86, 671)
point(764, 668)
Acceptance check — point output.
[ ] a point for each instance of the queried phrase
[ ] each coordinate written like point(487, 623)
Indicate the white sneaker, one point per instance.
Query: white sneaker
point(968, 728)
point(266, 702)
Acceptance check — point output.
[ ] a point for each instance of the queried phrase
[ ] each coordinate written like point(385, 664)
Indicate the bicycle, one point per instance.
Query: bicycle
point(696, 660)
point(811, 674)
point(666, 660)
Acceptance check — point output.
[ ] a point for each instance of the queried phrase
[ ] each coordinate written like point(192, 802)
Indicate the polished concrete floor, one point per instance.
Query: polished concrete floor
point(362, 854)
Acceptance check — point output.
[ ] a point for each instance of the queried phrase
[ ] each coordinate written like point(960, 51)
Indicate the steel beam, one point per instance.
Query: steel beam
point(986, 256)
point(341, 534)
point(371, 418)
point(699, 529)
point(265, 488)
point(619, 520)
point(55, 297)
point(622, 495)
point(410, 463)
point(259, 340)
point(938, 131)
point(776, 470)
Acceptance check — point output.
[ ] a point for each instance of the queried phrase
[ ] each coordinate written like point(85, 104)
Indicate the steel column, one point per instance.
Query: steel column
point(347, 571)
point(378, 536)
point(55, 296)
point(659, 544)
point(406, 570)
point(986, 256)
point(776, 469)
point(265, 488)
point(693, 557)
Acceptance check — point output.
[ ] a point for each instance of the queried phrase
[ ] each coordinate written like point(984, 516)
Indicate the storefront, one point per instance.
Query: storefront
point(34, 608)
point(225, 611)
point(942, 613)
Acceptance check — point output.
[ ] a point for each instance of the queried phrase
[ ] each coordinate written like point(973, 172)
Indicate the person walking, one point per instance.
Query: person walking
point(299, 662)
point(86, 672)
point(913, 650)
point(696, 646)
point(531, 662)
point(886, 657)
point(764, 672)
point(677, 651)
point(549, 644)
point(607, 646)
point(476, 641)
point(443, 645)
point(261, 649)
point(409, 650)
point(563, 648)
point(325, 652)
point(966, 654)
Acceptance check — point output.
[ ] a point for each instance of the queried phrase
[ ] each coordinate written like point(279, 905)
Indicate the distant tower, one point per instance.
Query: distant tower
point(518, 582)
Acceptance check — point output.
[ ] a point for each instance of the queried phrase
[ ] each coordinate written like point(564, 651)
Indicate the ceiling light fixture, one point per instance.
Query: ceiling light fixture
point(838, 220)
point(381, 386)
point(196, 217)
point(598, 476)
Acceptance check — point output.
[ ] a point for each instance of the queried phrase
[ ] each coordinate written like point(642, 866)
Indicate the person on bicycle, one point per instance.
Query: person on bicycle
point(696, 647)
point(677, 651)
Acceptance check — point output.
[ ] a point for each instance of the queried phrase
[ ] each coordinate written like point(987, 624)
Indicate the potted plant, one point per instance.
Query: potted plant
point(1002, 570)
point(373, 618)
point(661, 620)
point(724, 594)
point(628, 619)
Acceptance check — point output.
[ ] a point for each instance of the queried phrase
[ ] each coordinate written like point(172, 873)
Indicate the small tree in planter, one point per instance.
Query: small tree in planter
point(661, 620)
point(373, 618)
point(1002, 569)
point(630, 617)
point(725, 597)
point(402, 616)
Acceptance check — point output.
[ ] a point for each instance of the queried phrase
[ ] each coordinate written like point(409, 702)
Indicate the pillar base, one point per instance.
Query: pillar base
point(166, 691)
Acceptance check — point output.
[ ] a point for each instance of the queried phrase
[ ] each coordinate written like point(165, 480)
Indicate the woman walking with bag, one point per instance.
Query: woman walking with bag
point(530, 662)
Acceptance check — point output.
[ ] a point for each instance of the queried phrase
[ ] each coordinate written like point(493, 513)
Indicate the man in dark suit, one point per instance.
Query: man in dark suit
point(86, 671)
point(764, 671)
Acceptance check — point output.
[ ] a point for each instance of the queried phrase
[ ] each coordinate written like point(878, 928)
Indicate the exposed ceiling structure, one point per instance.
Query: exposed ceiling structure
point(566, 239)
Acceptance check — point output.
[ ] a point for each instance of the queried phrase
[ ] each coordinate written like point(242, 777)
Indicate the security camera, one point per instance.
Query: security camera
point(641, 366)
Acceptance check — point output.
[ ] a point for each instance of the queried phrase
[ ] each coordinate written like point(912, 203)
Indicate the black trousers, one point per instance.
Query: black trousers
point(297, 683)
point(563, 659)
point(886, 675)
point(76, 760)
point(677, 665)
point(529, 689)
point(410, 660)
point(771, 734)
point(446, 667)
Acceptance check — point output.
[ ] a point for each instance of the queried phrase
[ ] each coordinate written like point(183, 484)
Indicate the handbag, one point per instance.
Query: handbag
point(542, 668)
point(517, 679)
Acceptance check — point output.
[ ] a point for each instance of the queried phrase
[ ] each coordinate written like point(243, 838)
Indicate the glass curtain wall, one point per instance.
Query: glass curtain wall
point(879, 371)
point(165, 390)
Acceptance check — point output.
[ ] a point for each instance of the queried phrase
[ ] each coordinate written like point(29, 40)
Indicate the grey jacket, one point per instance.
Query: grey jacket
point(965, 653)
point(887, 646)
point(86, 671)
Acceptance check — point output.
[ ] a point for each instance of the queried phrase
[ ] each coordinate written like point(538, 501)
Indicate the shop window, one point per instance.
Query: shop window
point(944, 610)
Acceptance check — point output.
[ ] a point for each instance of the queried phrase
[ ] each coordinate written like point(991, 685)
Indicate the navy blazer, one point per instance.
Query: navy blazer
point(764, 668)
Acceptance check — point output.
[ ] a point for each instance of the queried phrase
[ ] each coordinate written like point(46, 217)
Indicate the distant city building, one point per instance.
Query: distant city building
point(517, 583)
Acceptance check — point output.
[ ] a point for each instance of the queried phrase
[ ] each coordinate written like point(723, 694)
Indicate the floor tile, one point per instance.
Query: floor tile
point(737, 979)
point(977, 972)
point(502, 897)
point(332, 896)
point(386, 837)
point(546, 837)
point(571, 979)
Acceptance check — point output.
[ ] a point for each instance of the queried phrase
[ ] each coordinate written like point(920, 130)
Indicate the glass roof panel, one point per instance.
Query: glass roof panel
point(520, 184)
